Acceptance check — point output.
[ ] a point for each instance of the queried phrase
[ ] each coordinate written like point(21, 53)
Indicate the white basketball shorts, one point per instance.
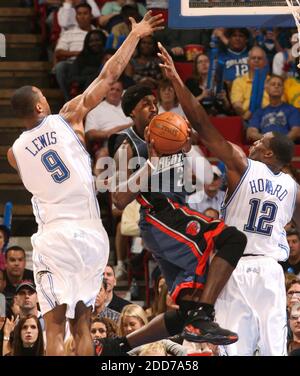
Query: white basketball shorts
point(68, 263)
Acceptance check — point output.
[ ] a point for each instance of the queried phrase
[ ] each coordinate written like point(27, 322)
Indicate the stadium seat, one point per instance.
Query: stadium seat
point(231, 128)
point(184, 69)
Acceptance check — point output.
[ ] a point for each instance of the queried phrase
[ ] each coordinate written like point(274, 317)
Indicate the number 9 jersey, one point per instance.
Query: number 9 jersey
point(60, 162)
point(261, 205)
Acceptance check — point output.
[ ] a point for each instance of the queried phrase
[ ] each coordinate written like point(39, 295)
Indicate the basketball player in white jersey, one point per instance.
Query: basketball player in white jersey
point(70, 249)
point(260, 201)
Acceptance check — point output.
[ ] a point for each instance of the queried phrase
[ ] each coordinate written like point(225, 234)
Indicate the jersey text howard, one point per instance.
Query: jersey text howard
point(266, 185)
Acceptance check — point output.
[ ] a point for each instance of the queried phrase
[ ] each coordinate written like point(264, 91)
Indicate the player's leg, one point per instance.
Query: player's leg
point(199, 305)
point(80, 329)
point(55, 322)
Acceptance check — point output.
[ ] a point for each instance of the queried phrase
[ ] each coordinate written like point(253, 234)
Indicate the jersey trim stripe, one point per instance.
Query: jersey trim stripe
point(174, 234)
point(224, 205)
point(75, 135)
point(185, 285)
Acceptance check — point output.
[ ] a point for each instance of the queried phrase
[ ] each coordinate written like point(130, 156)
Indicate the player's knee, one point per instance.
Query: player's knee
point(230, 245)
point(174, 322)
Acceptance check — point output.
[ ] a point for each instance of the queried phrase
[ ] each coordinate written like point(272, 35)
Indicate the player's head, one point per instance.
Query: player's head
point(140, 104)
point(273, 149)
point(28, 102)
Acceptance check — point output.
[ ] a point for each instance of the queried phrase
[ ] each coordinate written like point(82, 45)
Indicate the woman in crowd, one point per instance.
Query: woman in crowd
point(28, 337)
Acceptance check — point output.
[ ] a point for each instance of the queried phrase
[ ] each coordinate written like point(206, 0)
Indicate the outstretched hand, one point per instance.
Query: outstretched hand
point(167, 64)
point(148, 25)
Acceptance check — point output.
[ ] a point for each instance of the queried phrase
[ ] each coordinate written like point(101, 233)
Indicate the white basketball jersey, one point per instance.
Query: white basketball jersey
point(56, 169)
point(261, 205)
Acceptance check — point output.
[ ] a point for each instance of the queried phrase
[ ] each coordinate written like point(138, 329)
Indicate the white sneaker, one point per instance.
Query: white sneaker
point(120, 272)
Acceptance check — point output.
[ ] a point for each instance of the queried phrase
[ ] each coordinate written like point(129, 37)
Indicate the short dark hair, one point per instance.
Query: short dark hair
point(242, 30)
point(83, 5)
point(23, 101)
point(15, 248)
point(293, 231)
point(282, 147)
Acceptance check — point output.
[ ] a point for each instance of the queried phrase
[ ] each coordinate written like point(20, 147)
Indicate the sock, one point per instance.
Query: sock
point(208, 309)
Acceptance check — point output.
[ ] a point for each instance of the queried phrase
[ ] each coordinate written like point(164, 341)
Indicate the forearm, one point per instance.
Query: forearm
point(120, 59)
point(127, 191)
point(294, 133)
point(194, 111)
point(253, 135)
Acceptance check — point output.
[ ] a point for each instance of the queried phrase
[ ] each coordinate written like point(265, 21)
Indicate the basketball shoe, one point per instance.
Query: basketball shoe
point(117, 346)
point(200, 327)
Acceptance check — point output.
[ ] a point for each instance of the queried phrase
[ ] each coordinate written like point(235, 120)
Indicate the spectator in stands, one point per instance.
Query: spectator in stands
point(66, 15)
point(101, 309)
point(144, 67)
point(293, 293)
point(120, 25)
point(211, 213)
point(267, 39)
point(89, 62)
point(103, 327)
point(235, 56)
point(276, 117)
point(284, 63)
point(212, 196)
point(4, 239)
point(198, 82)
point(294, 322)
point(15, 272)
point(167, 99)
point(113, 301)
point(292, 265)
point(107, 118)
point(242, 86)
point(26, 298)
point(292, 89)
point(113, 8)
point(132, 317)
point(214, 104)
point(69, 45)
point(28, 337)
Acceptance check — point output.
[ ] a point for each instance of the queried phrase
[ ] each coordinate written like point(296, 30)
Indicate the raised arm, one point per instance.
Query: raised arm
point(234, 160)
point(75, 110)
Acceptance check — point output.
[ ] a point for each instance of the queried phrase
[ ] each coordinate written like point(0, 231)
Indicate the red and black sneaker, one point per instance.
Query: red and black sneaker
point(200, 327)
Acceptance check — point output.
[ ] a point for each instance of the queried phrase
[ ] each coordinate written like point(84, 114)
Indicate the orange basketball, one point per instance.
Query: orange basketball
point(169, 132)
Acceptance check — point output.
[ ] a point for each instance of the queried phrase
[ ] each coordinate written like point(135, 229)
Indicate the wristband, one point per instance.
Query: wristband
point(5, 338)
point(151, 165)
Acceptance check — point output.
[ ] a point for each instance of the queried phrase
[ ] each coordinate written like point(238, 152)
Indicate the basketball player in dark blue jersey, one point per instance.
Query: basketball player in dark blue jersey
point(181, 240)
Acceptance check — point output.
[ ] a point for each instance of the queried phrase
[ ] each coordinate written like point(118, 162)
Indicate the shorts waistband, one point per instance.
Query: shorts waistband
point(89, 223)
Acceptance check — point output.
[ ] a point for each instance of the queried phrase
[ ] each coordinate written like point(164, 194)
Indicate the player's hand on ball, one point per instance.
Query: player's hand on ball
point(152, 152)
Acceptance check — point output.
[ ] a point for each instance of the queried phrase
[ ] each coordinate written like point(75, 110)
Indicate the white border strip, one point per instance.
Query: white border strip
point(231, 11)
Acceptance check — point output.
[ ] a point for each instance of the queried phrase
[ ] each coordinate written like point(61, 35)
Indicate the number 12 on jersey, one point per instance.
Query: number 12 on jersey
point(261, 215)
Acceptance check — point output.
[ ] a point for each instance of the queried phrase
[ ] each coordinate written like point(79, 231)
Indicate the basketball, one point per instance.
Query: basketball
point(169, 132)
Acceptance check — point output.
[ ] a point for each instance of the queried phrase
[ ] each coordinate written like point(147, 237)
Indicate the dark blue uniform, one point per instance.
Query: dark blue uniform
point(180, 239)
